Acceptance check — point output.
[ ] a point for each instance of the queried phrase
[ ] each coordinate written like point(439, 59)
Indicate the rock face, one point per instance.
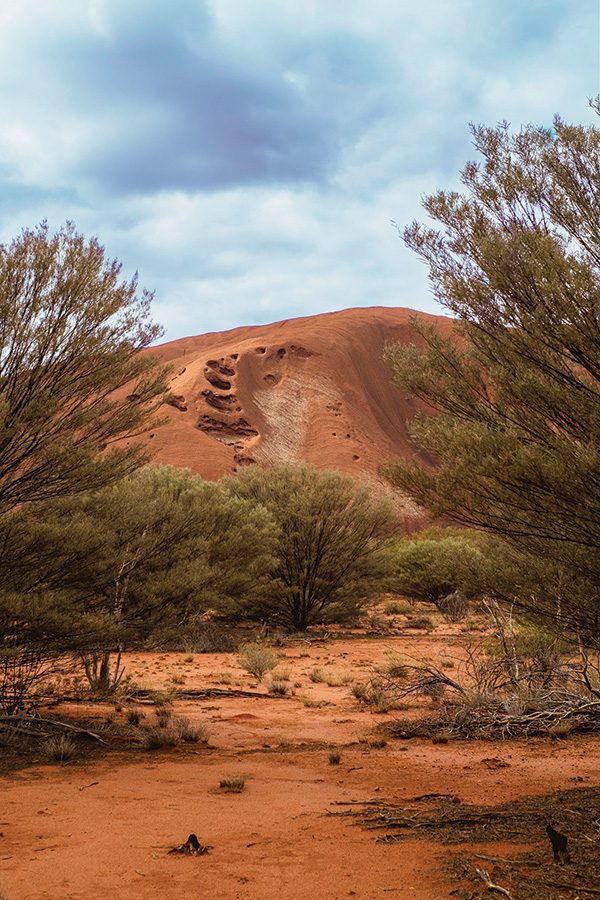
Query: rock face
point(314, 389)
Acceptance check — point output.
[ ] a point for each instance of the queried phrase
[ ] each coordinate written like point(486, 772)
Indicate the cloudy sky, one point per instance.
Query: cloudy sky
point(247, 156)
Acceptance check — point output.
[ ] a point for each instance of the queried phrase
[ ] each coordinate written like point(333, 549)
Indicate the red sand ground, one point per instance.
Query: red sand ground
point(66, 836)
point(315, 389)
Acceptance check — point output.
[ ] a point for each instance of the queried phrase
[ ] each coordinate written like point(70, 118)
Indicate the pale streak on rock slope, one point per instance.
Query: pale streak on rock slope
point(315, 389)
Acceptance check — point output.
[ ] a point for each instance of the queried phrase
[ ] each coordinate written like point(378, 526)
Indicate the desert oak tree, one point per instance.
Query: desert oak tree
point(332, 542)
point(517, 434)
point(72, 378)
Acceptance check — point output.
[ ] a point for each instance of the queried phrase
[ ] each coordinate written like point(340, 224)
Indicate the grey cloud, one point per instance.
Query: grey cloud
point(18, 197)
point(185, 110)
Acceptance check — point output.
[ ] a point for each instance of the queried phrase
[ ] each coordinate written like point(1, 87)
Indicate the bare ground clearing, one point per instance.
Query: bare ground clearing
point(102, 827)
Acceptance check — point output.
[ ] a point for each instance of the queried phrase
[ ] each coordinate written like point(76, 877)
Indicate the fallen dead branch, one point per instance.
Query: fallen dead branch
point(514, 685)
point(142, 695)
point(572, 887)
point(28, 725)
point(552, 713)
point(491, 886)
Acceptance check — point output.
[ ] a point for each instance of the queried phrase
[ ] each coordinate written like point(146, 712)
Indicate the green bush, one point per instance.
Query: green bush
point(257, 659)
point(332, 544)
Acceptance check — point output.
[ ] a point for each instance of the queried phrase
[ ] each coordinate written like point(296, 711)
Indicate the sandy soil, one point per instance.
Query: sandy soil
point(103, 829)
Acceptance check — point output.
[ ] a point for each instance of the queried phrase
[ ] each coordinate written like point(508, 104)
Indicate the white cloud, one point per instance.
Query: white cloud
point(247, 157)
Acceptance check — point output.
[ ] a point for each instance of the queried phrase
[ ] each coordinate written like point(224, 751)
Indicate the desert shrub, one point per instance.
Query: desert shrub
point(257, 659)
point(360, 691)
point(103, 672)
point(381, 693)
point(233, 784)
point(392, 664)
point(61, 748)
point(423, 623)
point(454, 606)
point(170, 733)
point(279, 686)
point(440, 561)
point(134, 716)
point(330, 677)
point(373, 621)
point(194, 734)
point(155, 738)
point(332, 544)
point(311, 703)
point(334, 758)
point(282, 674)
point(154, 551)
point(397, 607)
point(337, 677)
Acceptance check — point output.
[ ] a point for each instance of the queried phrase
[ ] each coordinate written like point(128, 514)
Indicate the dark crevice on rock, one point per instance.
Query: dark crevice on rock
point(221, 401)
point(237, 428)
point(302, 352)
point(178, 401)
point(218, 381)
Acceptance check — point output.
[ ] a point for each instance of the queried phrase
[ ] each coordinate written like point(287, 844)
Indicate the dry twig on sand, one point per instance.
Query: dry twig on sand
point(491, 886)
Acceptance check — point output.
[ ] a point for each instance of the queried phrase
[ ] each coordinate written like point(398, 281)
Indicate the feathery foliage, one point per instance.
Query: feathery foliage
point(517, 435)
point(153, 550)
point(71, 332)
point(332, 543)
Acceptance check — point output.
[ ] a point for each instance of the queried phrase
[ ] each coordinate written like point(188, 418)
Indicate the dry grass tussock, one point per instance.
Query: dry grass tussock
point(233, 784)
point(173, 732)
point(60, 748)
point(257, 659)
point(331, 677)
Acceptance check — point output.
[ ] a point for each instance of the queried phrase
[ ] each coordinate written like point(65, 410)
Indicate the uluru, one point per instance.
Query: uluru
point(315, 389)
